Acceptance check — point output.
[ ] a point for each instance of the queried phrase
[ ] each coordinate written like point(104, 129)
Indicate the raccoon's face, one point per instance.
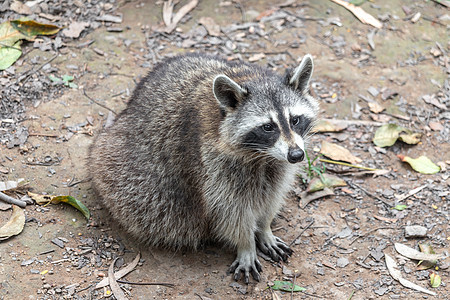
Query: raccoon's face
point(269, 116)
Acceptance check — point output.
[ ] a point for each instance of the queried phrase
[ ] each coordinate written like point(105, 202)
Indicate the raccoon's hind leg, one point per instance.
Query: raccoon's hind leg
point(269, 244)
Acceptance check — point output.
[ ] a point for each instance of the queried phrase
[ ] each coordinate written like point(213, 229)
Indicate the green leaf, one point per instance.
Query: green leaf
point(388, 134)
point(435, 280)
point(400, 207)
point(9, 35)
point(32, 28)
point(286, 286)
point(9, 55)
point(422, 164)
point(54, 78)
point(325, 180)
point(67, 78)
point(426, 264)
point(74, 202)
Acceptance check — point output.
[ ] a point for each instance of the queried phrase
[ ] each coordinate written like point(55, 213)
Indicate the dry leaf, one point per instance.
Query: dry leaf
point(115, 288)
point(414, 254)
point(327, 126)
point(375, 107)
point(306, 197)
point(256, 57)
point(363, 16)
point(167, 12)
point(75, 28)
point(15, 224)
point(119, 274)
point(395, 273)
point(210, 25)
point(436, 126)
point(337, 152)
point(180, 14)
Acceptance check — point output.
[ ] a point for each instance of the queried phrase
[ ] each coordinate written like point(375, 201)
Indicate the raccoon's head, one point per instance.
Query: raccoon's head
point(266, 113)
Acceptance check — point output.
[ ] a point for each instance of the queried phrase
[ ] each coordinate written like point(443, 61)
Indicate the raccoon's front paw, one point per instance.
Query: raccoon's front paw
point(274, 247)
point(247, 263)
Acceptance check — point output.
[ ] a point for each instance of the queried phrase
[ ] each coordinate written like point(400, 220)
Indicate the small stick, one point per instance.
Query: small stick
point(171, 285)
point(309, 225)
point(98, 103)
point(11, 200)
point(353, 185)
point(43, 134)
point(347, 164)
point(412, 192)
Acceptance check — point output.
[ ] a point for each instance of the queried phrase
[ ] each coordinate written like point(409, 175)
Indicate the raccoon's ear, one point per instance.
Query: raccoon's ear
point(227, 91)
point(299, 78)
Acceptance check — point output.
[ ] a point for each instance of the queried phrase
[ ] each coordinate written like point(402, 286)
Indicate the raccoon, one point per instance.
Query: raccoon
point(206, 150)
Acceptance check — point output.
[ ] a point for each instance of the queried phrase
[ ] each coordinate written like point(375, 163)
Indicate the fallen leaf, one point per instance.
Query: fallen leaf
point(436, 126)
point(9, 55)
point(210, 25)
point(15, 224)
point(363, 16)
point(75, 28)
point(324, 181)
point(435, 280)
point(306, 198)
point(46, 199)
point(40, 199)
point(180, 14)
point(32, 28)
point(118, 294)
point(414, 254)
point(426, 264)
point(286, 286)
point(395, 273)
point(119, 274)
point(431, 99)
point(20, 8)
point(375, 107)
point(327, 126)
point(256, 57)
point(400, 207)
point(388, 134)
point(421, 164)
point(337, 152)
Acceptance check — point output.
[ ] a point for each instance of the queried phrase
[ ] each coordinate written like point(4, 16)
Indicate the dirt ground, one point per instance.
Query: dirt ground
point(340, 253)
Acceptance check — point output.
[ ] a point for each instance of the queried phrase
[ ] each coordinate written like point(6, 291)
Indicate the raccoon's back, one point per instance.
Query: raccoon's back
point(147, 166)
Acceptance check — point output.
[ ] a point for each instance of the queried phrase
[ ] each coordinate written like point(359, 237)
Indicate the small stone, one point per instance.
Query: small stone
point(415, 231)
point(373, 91)
point(342, 262)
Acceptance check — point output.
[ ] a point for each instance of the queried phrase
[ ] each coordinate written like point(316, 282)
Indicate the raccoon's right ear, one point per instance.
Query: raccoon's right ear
point(227, 91)
point(300, 77)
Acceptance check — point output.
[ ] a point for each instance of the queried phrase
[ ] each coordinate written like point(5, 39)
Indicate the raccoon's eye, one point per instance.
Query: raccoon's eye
point(295, 121)
point(268, 127)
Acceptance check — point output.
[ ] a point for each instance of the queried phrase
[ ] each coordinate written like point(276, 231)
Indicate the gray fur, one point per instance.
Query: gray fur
point(173, 170)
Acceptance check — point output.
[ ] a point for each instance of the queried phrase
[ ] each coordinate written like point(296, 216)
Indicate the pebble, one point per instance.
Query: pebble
point(415, 231)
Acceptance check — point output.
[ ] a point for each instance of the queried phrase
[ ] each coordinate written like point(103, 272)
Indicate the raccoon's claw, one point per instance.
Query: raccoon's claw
point(246, 265)
point(275, 248)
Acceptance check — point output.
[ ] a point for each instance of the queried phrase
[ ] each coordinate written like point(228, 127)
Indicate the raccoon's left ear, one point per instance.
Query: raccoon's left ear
point(227, 91)
point(299, 78)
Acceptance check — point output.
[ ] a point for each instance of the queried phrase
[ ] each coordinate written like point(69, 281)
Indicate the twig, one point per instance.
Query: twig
point(412, 192)
point(367, 233)
point(309, 225)
point(42, 134)
point(46, 252)
point(25, 78)
point(353, 185)
point(293, 286)
point(171, 285)
point(11, 200)
point(99, 104)
point(347, 164)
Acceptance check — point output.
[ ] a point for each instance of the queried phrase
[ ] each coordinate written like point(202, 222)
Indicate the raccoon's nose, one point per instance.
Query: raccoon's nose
point(295, 155)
